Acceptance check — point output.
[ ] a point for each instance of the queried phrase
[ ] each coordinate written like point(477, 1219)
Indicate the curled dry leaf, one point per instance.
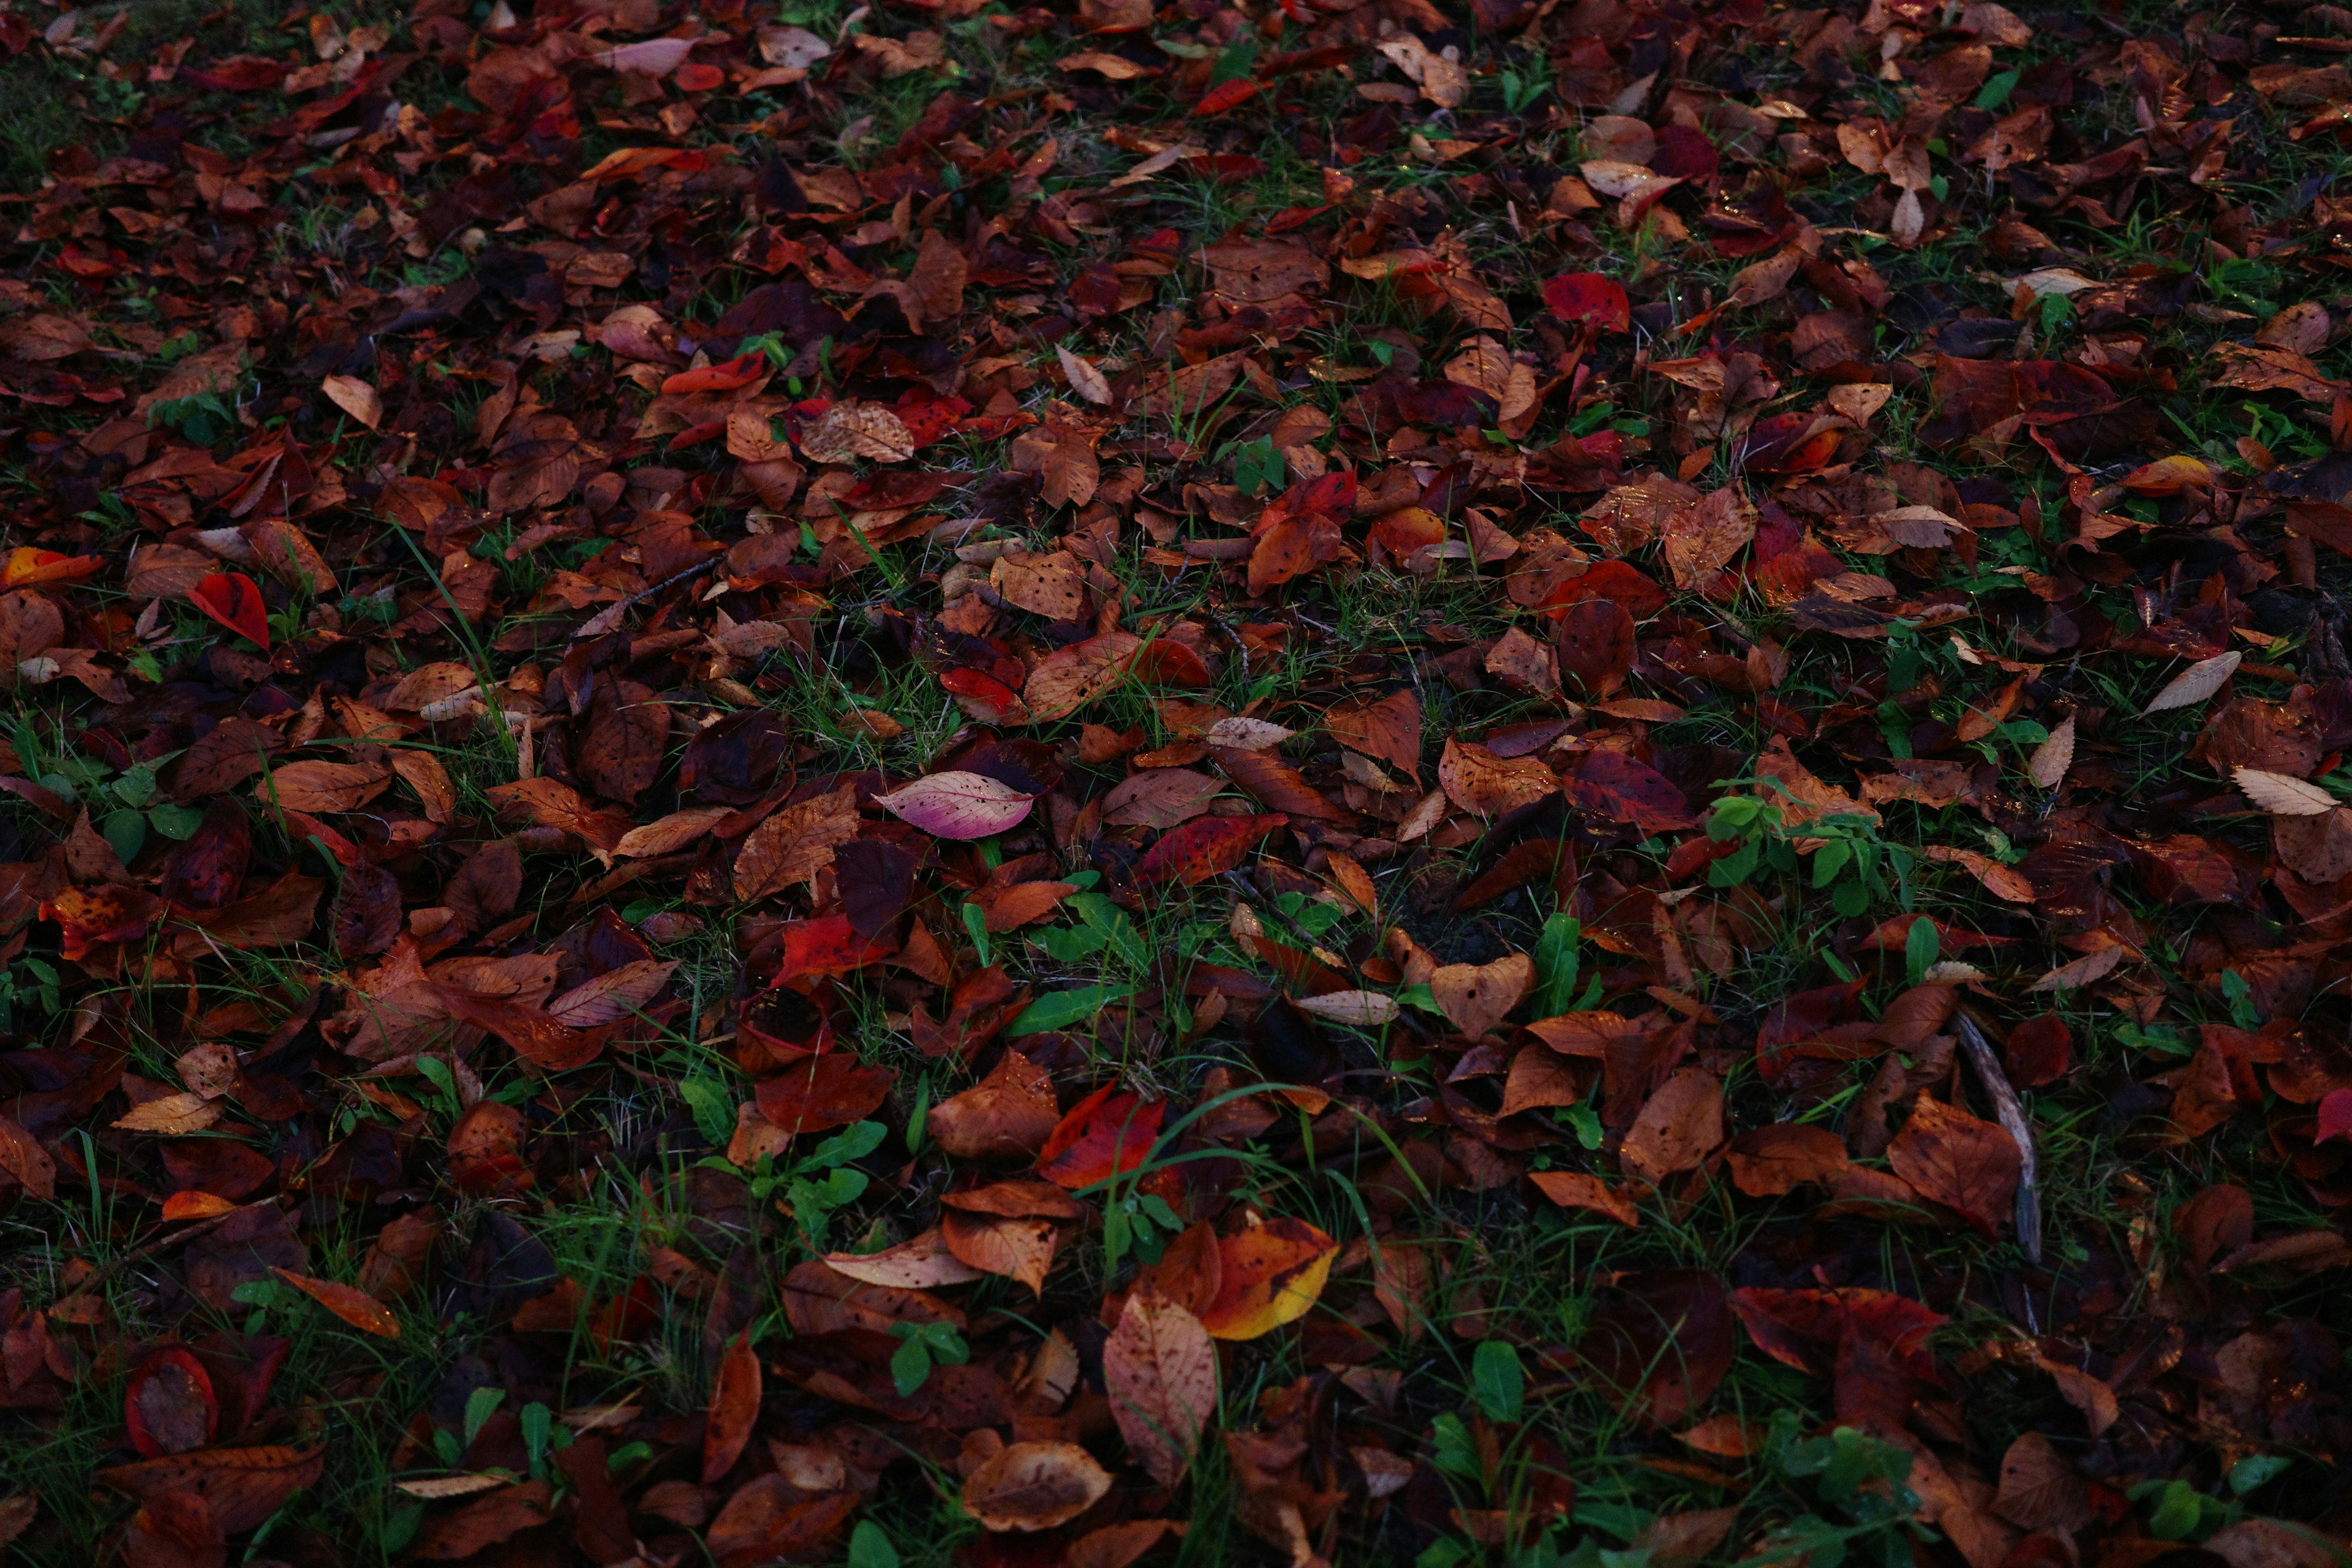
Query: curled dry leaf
point(1361, 1009)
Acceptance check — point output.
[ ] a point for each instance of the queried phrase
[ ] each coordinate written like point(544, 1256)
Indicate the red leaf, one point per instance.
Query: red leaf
point(1590, 299)
point(232, 599)
point(1204, 847)
point(734, 1407)
point(821, 1091)
point(238, 73)
point(809, 950)
point(1613, 786)
point(2039, 1052)
point(1228, 95)
point(1612, 580)
point(1107, 1133)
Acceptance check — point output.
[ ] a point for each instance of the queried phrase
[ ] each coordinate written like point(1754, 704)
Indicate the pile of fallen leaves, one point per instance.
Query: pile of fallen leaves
point(776, 790)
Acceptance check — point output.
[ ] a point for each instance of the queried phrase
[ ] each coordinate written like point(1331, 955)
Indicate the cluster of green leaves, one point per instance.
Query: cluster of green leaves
point(921, 1345)
point(1850, 860)
point(207, 418)
point(1102, 935)
point(123, 807)
point(1864, 1505)
point(815, 1186)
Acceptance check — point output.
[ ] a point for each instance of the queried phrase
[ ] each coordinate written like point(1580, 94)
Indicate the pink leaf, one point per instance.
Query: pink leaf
point(957, 805)
point(2334, 1116)
point(652, 56)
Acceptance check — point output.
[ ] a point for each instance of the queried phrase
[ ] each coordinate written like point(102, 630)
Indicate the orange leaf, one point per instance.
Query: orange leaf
point(1228, 95)
point(352, 1304)
point(1267, 1275)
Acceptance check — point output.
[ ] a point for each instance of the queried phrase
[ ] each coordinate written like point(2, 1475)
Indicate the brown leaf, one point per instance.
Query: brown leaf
point(25, 1162)
point(1767, 1162)
point(616, 994)
point(2047, 767)
point(2039, 1489)
point(1475, 998)
point(2001, 882)
point(1277, 785)
point(1485, 784)
point(1523, 664)
point(352, 1305)
point(1008, 1115)
point(1030, 1487)
point(1702, 539)
point(1386, 728)
point(1017, 1246)
point(1575, 1190)
point(1063, 457)
point(315, 786)
point(1068, 678)
point(1968, 1165)
point(242, 1486)
point(1048, 585)
point(1159, 797)
point(923, 1263)
point(791, 845)
point(1678, 1128)
point(2195, 684)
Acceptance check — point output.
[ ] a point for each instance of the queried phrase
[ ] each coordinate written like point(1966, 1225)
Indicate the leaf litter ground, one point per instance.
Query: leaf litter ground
point(1526, 782)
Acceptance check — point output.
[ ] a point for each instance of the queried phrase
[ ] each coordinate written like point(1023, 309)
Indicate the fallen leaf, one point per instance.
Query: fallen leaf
point(1159, 1370)
point(1269, 1273)
point(957, 805)
point(1029, 1486)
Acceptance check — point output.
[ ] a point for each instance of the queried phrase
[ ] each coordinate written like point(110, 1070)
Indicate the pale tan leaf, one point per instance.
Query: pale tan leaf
point(1085, 378)
point(2283, 794)
point(2196, 683)
point(1363, 1010)
point(354, 397)
point(2048, 766)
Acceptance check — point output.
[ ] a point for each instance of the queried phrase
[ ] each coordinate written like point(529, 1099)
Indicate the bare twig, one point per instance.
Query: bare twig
point(2011, 1111)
